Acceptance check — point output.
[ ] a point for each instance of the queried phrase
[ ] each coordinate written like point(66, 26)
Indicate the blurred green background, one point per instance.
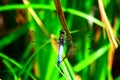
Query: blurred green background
point(29, 31)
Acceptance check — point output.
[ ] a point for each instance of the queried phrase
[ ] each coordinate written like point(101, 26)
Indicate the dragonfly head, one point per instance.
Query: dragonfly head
point(62, 32)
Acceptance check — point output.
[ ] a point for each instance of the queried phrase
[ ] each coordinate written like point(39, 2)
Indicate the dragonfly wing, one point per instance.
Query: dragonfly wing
point(71, 51)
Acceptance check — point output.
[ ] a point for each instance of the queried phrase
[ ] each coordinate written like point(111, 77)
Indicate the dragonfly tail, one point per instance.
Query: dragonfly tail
point(58, 64)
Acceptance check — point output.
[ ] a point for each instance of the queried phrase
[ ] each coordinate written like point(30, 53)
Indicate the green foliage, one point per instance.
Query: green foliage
point(26, 52)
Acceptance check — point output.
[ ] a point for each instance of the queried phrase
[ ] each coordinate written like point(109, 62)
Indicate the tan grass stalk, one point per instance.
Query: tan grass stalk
point(110, 33)
point(38, 21)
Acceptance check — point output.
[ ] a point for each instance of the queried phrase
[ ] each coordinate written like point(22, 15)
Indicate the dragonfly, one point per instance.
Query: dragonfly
point(61, 45)
point(61, 42)
point(65, 28)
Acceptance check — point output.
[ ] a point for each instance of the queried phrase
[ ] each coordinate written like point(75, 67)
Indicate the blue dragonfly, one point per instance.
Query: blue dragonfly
point(61, 45)
point(62, 42)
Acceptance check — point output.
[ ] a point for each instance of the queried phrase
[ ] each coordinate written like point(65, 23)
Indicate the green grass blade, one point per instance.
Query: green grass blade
point(10, 60)
point(7, 64)
point(32, 57)
point(3, 56)
point(117, 78)
point(49, 7)
point(83, 15)
point(13, 36)
point(91, 58)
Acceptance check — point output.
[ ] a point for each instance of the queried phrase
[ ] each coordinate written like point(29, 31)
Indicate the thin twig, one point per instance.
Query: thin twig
point(62, 20)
